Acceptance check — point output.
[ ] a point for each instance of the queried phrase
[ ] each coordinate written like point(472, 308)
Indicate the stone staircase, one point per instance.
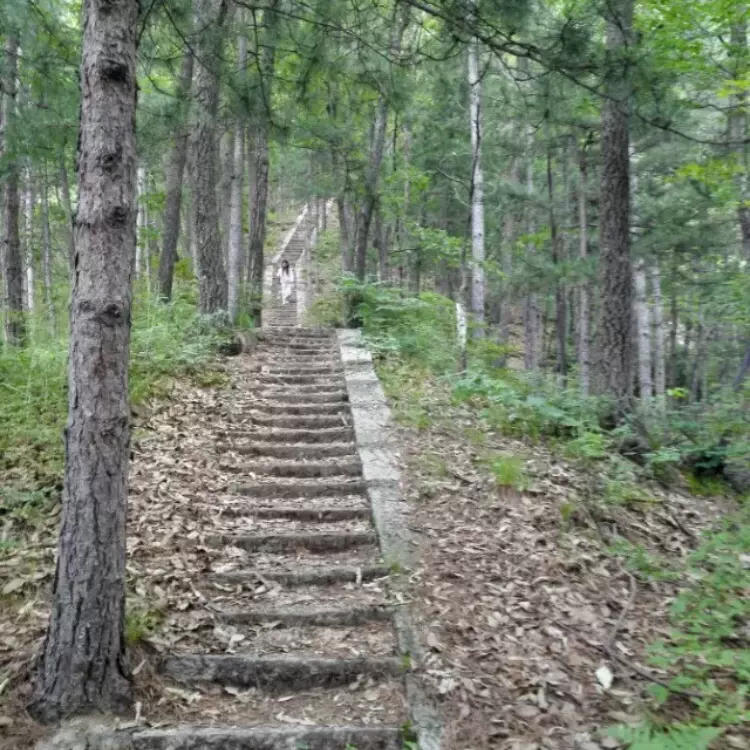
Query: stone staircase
point(296, 562)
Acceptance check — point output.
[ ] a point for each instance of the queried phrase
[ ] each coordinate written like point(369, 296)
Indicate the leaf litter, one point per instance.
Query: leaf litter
point(516, 596)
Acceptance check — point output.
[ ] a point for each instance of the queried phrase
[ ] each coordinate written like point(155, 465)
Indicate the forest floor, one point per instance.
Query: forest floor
point(536, 632)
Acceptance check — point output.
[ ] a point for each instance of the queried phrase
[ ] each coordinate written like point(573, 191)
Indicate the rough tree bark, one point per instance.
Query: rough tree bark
point(210, 17)
point(224, 197)
point(584, 311)
point(141, 251)
point(83, 665)
point(614, 340)
point(377, 147)
point(175, 172)
point(15, 323)
point(256, 260)
point(477, 189)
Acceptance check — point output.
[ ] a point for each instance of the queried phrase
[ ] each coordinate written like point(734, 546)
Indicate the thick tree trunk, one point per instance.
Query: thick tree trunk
point(258, 223)
point(477, 190)
point(657, 318)
point(377, 147)
point(614, 341)
point(584, 310)
point(83, 665)
point(234, 267)
point(70, 218)
point(256, 259)
point(210, 16)
point(346, 231)
point(175, 172)
point(643, 328)
point(49, 299)
point(15, 322)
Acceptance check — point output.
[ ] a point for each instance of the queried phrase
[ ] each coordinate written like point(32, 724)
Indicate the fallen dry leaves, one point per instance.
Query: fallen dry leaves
point(533, 632)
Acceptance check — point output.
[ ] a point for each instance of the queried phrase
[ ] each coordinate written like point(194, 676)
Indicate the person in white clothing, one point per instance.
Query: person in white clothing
point(286, 279)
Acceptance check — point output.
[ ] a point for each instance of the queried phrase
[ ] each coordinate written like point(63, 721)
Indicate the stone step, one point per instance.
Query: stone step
point(303, 378)
point(290, 372)
point(290, 396)
point(277, 542)
point(298, 334)
point(302, 488)
point(318, 514)
point(336, 467)
point(305, 409)
point(311, 617)
point(277, 343)
point(276, 674)
point(300, 389)
point(298, 420)
point(292, 450)
point(290, 435)
point(324, 576)
point(268, 738)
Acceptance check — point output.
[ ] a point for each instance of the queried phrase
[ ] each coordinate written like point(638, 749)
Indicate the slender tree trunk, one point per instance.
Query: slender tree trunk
point(643, 324)
point(141, 251)
point(226, 173)
point(15, 322)
point(584, 310)
point(673, 322)
point(561, 313)
point(47, 255)
point(614, 347)
point(175, 172)
point(210, 16)
point(532, 315)
point(377, 147)
point(657, 317)
point(236, 244)
point(83, 664)
point(477, 190)
point(29, 254)
point(738, 126)
point(69, 217)
point(506, 256)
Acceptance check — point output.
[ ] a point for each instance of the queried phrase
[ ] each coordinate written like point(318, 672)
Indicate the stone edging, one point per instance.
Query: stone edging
point(372, 421)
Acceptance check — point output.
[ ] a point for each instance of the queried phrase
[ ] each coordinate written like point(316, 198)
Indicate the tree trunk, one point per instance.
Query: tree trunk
point(210, 16)
point(674, 319)
point(477, 189)
point(561, 313)
point(49, 299)
point(377, 146)
point(614, 344)
point(506, 257)
point(235, 225)
point(224, 198)
point(69, 217)
point(83, 665)
point(657, 318)
point(532, 315)
point(141, 250)
point(643, 328)
point(738, 126)
point(584, 312)
point(15, 322)
point(256, 257)
point(175, 171)
point(346, 231)
point(28, 241)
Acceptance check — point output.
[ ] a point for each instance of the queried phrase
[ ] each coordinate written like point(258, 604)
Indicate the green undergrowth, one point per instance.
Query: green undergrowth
point(707, 652)
point(167, 341)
